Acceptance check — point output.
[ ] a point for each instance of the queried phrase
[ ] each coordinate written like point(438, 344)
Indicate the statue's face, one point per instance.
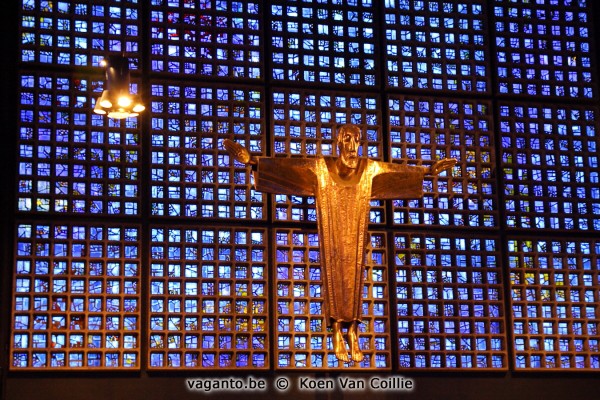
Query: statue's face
point(348, 142)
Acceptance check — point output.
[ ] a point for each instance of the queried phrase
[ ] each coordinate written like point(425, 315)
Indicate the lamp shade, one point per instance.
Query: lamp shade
point(116, 101)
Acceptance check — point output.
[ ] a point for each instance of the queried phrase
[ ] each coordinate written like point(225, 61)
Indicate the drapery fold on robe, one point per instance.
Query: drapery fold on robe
point(343, 207)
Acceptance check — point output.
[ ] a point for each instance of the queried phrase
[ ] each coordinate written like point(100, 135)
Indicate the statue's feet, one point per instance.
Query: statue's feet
point(357, 354)
point(339, 344)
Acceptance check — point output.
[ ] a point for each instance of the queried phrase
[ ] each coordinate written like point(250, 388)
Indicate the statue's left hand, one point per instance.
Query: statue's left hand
point(238, 152)
point(442, 165)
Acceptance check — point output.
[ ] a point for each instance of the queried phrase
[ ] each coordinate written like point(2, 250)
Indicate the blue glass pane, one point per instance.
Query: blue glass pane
point(449, 302)
point(435, 45)
point(554, 292)
point(208, 298)
point(78, 33)
point(207, 37)
point(71, 160)
point(543, 48)
point(323, 42)
point(77, 297)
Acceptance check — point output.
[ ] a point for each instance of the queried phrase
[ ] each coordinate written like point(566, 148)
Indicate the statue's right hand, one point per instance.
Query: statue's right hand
point(237, 151)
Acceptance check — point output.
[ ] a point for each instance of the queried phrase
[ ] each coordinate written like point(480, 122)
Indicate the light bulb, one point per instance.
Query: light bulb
point(138, 108)
point(124, 101)
point(118, 114)
point(98, 109)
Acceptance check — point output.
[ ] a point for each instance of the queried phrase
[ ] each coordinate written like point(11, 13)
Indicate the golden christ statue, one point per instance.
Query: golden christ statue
point(343, 187)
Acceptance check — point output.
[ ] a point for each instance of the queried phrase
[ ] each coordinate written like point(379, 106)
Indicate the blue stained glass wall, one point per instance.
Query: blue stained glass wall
point(141, 245)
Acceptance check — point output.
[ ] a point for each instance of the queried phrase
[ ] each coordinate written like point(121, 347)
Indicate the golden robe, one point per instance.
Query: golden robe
point(343, 207)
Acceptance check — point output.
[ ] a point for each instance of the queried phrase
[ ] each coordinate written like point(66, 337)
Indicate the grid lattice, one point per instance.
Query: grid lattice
point(543, 48)
point(555, 290)
point(192, 175)
point(436, 45)
point(550, 165)
point(449, 302)
point(77, 294)
point(76, 301)
point(302, 337)
point(206, 37)
point(71, 160)
point(328, 42)
point(305, 124)
point(79, 32)
point(208, 298)
point(428, 130)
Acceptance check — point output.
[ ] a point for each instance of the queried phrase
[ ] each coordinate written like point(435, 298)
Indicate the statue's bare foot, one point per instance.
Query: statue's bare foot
point(357, 354)
point(339, 344)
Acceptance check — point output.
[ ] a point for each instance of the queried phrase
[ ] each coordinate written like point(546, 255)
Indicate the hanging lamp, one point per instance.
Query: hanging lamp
point(116, 101)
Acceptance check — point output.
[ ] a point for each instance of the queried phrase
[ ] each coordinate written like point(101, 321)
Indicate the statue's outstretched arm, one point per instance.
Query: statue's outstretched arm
point(441, 165)
point(238, 152)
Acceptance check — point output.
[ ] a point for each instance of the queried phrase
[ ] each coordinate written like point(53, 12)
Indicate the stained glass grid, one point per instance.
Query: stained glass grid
point(302, 338)
point(71, 160)
point(192, 174)
point(424, 130)
point(208, 298)
point(449, 302)
point(554, 299)
point(216, 38)
point(543, 48)
point(76, 286)
point(436, 45)
point(305, 123)
point(76, 300)
point(550, 165)
point(78, 33)
point(328, 42)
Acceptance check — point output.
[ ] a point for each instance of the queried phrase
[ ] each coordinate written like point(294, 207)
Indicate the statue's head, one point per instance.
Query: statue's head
point(348, 142)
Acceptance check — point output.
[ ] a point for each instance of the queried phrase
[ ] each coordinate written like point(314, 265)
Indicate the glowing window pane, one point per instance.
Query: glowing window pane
point(544, 50)
point(424, 130)
point(435, 45)
point(78, 33)
point(71, 160)
point(454, 308)
point(208, 37)
point(199, 307)
point(192, 174)
point(66, 320)
point(554, 314)
point(323, 42)
point(550, 163)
